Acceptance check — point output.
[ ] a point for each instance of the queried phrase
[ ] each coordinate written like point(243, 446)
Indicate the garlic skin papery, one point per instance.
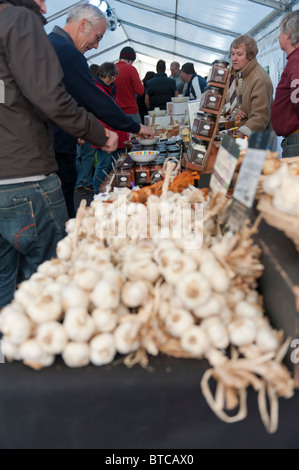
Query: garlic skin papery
point(178, 321)
point(102, 349)
point(78, 324)
point(242, 331)
point(86, 278)
point(125, 337)
point(16, 328)
point(195, 341)
point(272, 182)
point(105, 295)
point(76, 354)
point(212, 307)
point(52, 336)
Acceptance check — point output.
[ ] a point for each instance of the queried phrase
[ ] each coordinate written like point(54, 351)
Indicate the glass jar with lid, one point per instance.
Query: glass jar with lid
point(204, 124)
point(211, 98)
point(219, 72)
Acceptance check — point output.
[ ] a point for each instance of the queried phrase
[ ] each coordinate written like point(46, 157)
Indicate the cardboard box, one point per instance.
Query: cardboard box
point(177, 108)
point(160, 120)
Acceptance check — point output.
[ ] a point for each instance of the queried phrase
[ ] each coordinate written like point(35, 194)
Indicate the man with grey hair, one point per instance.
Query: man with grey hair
point(176, 75)
point(84, 29)
point(285, 108)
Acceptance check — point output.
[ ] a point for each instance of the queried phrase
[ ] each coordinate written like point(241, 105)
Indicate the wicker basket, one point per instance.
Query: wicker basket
point(289, 224)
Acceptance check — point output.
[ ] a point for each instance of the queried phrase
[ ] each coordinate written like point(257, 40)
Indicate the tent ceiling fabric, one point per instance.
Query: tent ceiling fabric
point(195, 31)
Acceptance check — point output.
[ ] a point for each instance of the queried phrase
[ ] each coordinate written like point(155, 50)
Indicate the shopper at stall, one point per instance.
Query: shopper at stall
point(195, 83)
point(128, 83)
point(104, 76)
point(141, 99)
point(253, 87)
point(32, 208)
point(285, 108)
point(85, 27)
point(160, 89)
point(176, 75)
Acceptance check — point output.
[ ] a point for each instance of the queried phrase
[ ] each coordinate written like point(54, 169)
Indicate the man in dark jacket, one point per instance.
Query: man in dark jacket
point(160, 89)
point(32, 208)
point(84, 28)
point(195, 83)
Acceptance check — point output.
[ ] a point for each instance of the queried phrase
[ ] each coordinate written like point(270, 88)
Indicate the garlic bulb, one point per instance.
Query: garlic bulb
point(102, 349)
point(33, 355)
point(52, 336)
point(105, 295)
point(212, 307)
point(105, 320)
point(195, 340)
point(10, 351)
point(76, 354)
point(44, 309)
point(86, 278)
point(178, 267)
point(266, 339)
point(53, 268)
point(246, 309)
point(242, 331)
point(178, 321)
point(73, 296)
point(272, 182)
point(134, 294)
point(125, 337)
point(64, 248)
point(16, 327)
point(78, 324)
point(216, 331)
point(216, 275)
point(194, 290)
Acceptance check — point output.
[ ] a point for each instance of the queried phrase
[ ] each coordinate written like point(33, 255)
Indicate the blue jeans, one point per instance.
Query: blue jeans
point(290, 146)
point(84, 164)
point(32, 221)
point(104, 166)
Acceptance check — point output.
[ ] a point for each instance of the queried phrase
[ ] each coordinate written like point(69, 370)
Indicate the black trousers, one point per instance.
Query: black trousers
point(68, 175)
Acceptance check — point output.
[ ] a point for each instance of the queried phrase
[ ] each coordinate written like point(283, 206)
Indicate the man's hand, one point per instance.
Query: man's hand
point(112, 142)
point(145, 131)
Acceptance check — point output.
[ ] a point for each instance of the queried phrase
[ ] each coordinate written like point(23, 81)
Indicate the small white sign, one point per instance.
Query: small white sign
point(248, 177)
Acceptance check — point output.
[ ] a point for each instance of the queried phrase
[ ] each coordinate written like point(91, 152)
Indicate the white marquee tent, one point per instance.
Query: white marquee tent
point(197, 31)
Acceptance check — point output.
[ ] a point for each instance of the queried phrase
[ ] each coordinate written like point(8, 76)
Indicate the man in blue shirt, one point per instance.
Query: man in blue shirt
point(83, 31)
point(196, 83)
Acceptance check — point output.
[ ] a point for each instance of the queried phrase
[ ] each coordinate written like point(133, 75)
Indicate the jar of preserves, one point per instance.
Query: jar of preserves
point(219, 72)
point(204, 124)
point(155, 172)
point(142, 175)
point(211, 98)
point(124, 176)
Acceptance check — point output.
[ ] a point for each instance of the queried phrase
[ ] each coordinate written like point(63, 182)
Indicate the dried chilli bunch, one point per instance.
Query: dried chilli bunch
point(137, 295)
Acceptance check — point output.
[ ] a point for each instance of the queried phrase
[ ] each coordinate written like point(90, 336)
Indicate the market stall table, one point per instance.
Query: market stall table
point(113, 407)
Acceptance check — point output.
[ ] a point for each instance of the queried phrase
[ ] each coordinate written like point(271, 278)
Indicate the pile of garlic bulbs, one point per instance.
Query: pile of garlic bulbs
point(283, 186)
point(147, 291)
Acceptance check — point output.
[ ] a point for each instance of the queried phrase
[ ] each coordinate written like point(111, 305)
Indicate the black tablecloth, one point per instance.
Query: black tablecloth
point(113, 407)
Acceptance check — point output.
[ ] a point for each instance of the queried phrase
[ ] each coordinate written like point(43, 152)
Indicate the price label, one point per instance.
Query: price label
point(248, 177)
point(225, 165)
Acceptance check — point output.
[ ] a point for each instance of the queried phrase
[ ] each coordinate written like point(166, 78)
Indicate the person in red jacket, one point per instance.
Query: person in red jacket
point(285, 108)
point(128, 84)
point(104, 75)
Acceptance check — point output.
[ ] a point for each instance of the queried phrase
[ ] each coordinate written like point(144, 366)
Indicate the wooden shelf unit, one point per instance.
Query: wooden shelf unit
point(212, 150)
